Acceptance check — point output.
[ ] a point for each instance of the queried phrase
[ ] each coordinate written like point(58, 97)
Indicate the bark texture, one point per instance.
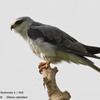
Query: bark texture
point(49, 79)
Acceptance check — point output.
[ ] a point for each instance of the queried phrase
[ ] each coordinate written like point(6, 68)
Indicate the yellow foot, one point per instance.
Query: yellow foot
point(43, 65)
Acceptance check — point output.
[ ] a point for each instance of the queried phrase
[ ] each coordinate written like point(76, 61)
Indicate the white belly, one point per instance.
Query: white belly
point(48, 52)
point(42, 49)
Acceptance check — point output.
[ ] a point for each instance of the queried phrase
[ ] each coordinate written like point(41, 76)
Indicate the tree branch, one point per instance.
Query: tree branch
point(54, 92)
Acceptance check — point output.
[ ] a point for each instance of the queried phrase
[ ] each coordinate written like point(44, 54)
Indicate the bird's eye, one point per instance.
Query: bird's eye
point(19, 22)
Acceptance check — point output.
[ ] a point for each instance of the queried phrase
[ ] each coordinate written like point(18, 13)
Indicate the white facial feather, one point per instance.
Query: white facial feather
point(23, 27)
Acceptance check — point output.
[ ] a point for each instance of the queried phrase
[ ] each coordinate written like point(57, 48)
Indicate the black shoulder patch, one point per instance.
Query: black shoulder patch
point(35, 33)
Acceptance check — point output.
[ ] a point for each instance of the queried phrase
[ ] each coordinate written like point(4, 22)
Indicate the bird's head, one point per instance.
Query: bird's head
point(21, 25)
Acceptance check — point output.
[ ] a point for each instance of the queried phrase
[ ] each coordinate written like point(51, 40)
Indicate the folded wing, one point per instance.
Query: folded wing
point(61, 40)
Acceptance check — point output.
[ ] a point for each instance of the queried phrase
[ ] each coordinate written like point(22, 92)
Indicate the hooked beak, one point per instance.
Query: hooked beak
point(12, 26)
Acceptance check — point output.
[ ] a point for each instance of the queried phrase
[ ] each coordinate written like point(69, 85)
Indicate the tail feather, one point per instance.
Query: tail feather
point(91, 64)
point(95, 68)
point(92, 49)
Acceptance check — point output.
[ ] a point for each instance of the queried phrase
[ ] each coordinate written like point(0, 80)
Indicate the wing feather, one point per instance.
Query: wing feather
point(62, 40)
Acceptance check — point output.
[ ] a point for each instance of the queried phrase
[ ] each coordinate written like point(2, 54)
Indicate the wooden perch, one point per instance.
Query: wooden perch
point(54, 92)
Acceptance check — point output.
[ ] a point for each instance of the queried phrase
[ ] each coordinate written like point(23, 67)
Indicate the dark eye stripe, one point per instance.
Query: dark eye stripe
point(19, 22)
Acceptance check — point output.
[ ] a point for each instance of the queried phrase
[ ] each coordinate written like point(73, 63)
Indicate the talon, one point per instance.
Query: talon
point(43, 65)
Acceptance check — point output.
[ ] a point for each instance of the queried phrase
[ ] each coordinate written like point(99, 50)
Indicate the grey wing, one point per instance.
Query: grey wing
point(60, 39)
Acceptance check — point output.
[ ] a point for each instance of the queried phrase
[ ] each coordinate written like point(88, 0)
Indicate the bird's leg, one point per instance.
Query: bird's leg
point(43, 65)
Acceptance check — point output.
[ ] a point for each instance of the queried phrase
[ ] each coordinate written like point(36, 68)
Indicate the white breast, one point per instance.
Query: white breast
point(41, 48)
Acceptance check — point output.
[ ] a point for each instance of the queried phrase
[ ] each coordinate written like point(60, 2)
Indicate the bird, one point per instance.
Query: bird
point(54, 45)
